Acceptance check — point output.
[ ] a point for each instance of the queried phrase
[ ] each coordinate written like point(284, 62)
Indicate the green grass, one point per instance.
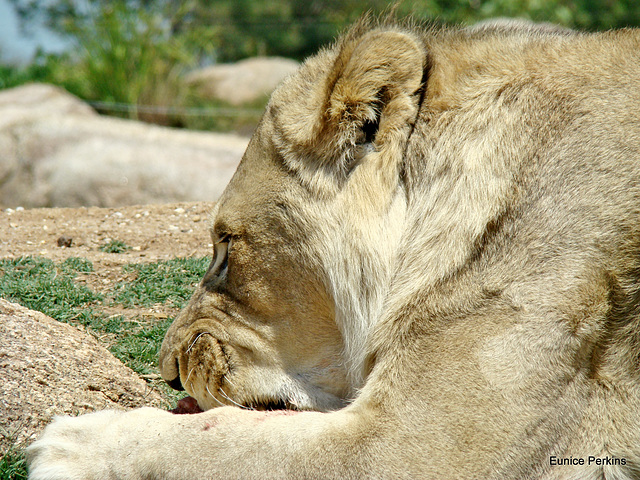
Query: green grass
point(115, 246)
point(170, 281)
point(42, 285)
point(139, 347)
point(166, 282)
point(13, 465)
point(39, 284)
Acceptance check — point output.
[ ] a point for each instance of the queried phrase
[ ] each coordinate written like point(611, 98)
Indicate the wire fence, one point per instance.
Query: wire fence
point(211, 112)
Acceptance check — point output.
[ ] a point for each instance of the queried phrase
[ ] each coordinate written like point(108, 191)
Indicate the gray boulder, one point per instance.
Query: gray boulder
point(241, 82)
point(55, 151)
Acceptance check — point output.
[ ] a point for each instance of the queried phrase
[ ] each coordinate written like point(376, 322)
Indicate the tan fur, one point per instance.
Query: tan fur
point(432, 249)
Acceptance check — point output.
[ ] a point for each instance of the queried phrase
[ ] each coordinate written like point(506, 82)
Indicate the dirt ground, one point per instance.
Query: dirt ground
point(153, 232)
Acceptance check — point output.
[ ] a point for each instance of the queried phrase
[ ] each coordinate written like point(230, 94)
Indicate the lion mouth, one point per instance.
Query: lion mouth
point(270, 405)
point(189, 405)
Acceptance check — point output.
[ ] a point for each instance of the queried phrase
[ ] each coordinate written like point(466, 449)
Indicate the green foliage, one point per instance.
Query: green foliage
point(114, 246)
point(287, 28)
point(126, 55)
point(124, 52)
point(12, 76)
point(134, 52)
point(38, 284)
point(167, 281)
point(13, 465)
point(233, 29)
point(580, 14)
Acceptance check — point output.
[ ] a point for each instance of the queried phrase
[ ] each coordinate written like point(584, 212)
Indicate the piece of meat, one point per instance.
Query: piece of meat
point(186, 405)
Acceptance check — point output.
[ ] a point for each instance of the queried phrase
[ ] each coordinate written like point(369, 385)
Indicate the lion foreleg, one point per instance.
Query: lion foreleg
point(220, 443)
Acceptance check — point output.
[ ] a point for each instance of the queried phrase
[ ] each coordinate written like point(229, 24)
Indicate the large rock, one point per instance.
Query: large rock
point(49, 368)
point(242, 82)
point(55, 151)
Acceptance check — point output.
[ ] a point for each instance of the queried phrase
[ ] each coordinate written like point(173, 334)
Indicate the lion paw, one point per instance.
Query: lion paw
point(87, 447)
point(66, 448)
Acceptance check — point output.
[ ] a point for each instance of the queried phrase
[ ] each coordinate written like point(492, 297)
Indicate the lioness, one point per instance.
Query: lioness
point(426, 266)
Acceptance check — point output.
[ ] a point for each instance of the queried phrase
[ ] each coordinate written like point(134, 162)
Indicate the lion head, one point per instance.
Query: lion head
point(282, 316)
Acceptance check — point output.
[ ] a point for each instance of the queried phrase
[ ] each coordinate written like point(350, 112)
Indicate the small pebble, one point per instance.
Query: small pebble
point(65, 241)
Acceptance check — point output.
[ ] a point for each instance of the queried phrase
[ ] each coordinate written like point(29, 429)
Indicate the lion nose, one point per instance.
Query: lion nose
point(176, 384)
point(170, 367)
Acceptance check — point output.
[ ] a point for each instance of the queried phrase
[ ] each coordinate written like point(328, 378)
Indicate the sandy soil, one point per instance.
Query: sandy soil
point(154, 232)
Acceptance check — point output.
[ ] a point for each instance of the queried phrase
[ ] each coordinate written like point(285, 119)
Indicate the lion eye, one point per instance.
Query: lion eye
point(223, 239)
point(221, 257)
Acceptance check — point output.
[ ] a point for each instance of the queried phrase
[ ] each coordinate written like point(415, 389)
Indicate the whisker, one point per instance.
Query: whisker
point(190, 372)
point(232, 401)
point(196, 339)
point(209, 392)
point(226, 379)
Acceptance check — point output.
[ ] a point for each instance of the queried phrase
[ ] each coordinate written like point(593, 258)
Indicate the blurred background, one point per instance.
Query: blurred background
point(139, 52)
point(206, 65)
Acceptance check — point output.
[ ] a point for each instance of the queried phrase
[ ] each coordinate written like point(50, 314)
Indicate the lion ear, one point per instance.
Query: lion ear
point(375, 84)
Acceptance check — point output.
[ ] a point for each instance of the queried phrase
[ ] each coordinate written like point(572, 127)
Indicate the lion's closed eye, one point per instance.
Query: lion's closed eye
point(218, 268)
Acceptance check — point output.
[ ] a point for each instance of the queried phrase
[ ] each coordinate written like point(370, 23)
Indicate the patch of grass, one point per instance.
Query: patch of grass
point(13, 465)
point(137, 345)
point(138, 342)
point(115, 246)
point(41, 285)
point(38, 284)
point(75, 264)
point(140, 346)
point(158, 283)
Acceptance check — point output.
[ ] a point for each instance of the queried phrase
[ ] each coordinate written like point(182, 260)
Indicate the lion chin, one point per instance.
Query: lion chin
point(427, 265)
